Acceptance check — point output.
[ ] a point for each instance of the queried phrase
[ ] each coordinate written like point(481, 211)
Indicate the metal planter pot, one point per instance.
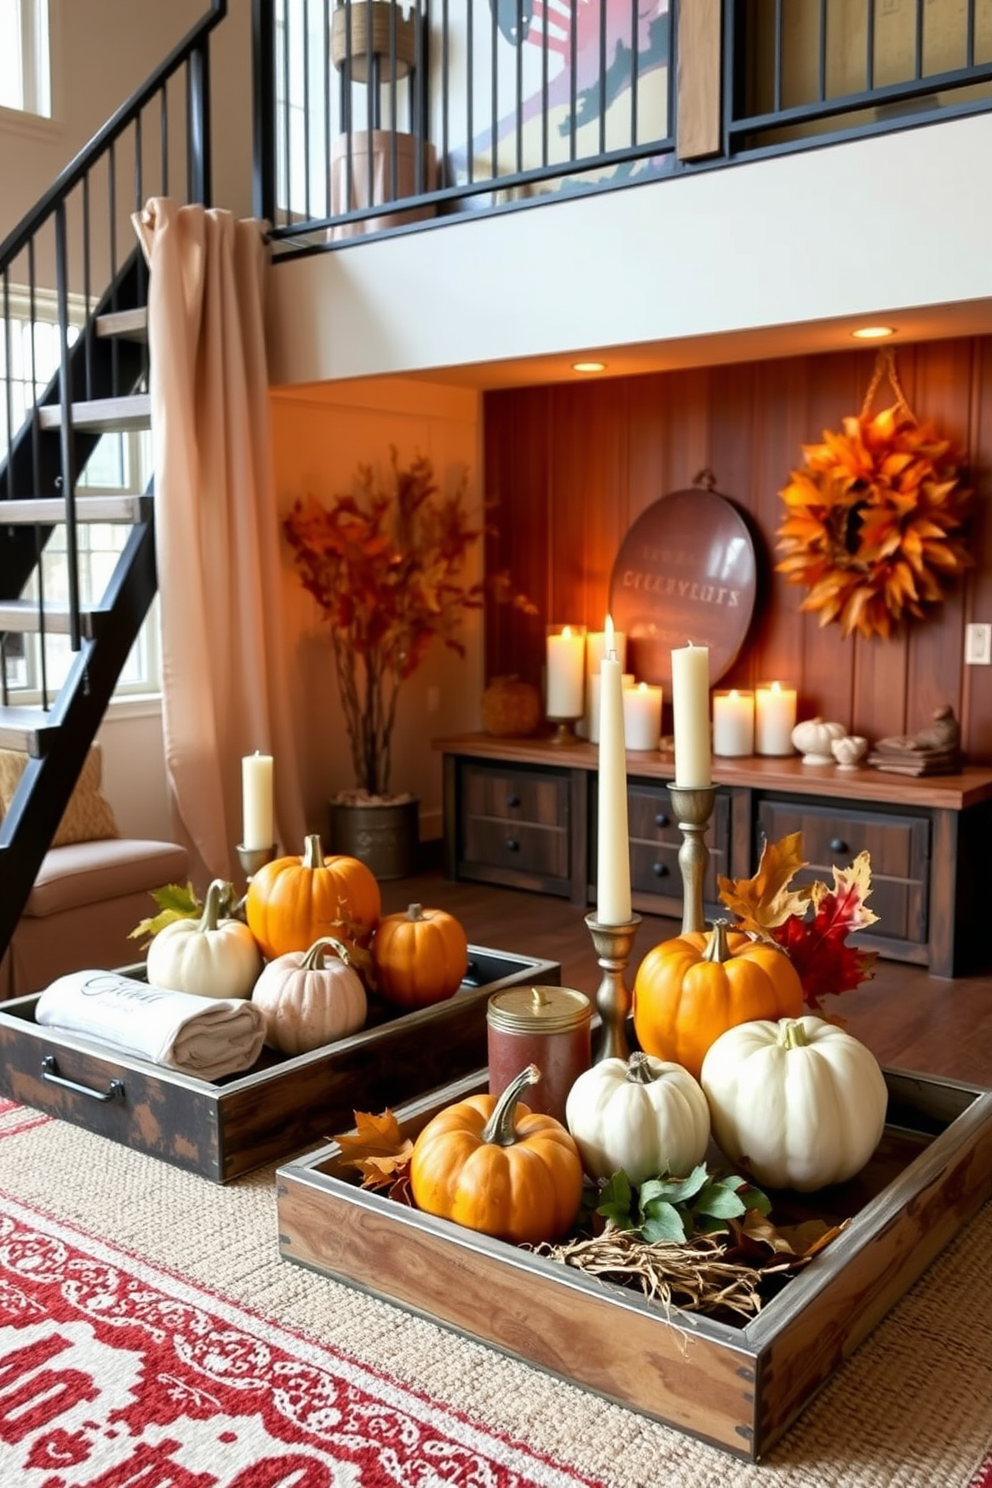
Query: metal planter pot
point(384, 835)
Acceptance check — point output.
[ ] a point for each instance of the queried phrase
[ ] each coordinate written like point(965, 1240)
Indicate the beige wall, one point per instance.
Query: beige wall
point(320, 435)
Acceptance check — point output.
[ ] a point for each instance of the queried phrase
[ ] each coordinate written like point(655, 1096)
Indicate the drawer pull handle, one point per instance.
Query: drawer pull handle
point(837, 844)
point(661, 820)
point(50, 1072)
point(659, 869)
point(513, 801)
point(512, 845)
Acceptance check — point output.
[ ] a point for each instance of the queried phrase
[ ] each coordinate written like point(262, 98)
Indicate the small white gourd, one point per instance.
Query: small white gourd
point(310, 998)
point(209, 957)
point(642, 1114)
point(797, 1103)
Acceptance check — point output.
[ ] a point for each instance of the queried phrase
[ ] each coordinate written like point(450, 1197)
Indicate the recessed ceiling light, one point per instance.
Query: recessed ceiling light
point(873, 333)
point(588, 366)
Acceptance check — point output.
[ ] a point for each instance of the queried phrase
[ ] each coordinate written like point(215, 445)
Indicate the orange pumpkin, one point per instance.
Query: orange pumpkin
point(419, 957)
point(498, 1167)
point(294, 901)
point(691, 989)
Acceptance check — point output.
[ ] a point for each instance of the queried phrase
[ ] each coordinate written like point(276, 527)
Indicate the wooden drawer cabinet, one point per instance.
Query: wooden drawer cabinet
point(515, 826)
point(523, 812)
point(655, 840)
point(899, 848)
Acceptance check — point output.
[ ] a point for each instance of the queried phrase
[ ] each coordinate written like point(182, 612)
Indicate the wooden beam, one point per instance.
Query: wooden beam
point(698, 79)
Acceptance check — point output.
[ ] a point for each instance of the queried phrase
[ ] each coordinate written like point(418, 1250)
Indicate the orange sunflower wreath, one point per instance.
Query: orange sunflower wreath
point(876, 520)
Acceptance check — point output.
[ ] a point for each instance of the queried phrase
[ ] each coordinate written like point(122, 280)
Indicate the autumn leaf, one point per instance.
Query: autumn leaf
point(799, 1240)
point(175, 902)
point(818, 949)
point(852, 887)
point(765, 902)
point(377, 1148)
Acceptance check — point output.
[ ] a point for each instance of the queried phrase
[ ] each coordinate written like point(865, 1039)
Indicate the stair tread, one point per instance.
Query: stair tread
point(24, 728)
point(102, 415)
point(130, 507)
point(130, 323)
point(23, 616)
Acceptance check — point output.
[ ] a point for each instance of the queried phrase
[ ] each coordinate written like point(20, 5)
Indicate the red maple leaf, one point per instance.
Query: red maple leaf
point(818, 947)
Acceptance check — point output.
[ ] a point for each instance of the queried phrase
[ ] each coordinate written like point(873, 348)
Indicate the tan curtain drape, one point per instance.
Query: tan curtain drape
point(217, 527)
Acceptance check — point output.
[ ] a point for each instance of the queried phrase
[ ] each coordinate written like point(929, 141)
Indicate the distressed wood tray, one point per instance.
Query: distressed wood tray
point(737, 1386)
point(226, 1127)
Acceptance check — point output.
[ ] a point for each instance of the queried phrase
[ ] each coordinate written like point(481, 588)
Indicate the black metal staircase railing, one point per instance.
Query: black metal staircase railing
point(77, 250)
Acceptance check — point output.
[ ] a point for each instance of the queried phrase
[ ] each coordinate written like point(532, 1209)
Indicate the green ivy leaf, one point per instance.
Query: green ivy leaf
point(673, 1210)
point(663, 1222)
point(675, 1190)
point(615, 1201)
point(719, 1202)
point(175, 902)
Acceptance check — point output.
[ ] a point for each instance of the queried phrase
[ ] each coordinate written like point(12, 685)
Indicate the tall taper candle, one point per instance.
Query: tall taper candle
point(256, 800)
point(613, 857)
point(691, 710)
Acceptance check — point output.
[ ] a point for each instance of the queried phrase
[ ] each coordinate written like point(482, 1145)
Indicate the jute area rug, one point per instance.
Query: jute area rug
point(151, 1337)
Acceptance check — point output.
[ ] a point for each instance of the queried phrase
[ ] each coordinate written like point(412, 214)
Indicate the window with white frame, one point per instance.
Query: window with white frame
point(25, 63)
point(29, 356)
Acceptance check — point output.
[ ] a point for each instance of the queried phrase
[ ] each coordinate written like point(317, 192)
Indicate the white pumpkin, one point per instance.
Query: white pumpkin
point(642, 1114)
point(310, 998)
point(798, 1103)
point(210, 957)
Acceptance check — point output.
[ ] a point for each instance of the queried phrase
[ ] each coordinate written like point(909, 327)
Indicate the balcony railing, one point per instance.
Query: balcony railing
point(374, 116)
point(809, 72)
point(452, 108)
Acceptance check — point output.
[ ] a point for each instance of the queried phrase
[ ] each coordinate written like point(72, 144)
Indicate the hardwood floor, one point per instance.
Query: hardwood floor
point(909, 1019)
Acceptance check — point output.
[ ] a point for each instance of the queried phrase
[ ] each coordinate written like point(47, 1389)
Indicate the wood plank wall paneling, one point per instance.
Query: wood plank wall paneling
point(589, 490)
point(517, 492)
point(574, 465)
point(937, 669)
point(977, 703)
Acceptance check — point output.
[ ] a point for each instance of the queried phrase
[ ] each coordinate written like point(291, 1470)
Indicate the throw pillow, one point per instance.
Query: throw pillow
point(88, 817)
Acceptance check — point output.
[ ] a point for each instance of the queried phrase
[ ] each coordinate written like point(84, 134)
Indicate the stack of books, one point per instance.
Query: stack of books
point(916, 760)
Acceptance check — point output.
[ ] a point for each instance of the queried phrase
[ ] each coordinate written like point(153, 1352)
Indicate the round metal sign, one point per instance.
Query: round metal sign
point(686, 571)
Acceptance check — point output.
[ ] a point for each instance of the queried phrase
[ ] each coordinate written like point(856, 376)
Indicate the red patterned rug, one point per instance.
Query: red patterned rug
point(115, 1375)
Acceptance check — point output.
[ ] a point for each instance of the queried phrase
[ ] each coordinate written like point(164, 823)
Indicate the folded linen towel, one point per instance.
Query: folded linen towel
point(204, 1036)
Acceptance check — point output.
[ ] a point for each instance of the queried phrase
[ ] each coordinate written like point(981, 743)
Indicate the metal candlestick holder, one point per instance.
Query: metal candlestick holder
point(565, 730)
point(693, 809)
point(613, 944)
point(251, 860)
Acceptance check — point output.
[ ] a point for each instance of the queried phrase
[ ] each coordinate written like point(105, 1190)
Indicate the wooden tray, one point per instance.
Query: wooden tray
point(737, 1386)
point(226, 1127)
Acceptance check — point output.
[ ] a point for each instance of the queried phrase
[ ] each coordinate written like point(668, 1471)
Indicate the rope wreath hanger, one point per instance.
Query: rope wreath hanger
point(876, 521)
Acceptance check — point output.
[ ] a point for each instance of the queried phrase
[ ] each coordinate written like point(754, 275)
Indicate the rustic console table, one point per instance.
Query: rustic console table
point(522, 812)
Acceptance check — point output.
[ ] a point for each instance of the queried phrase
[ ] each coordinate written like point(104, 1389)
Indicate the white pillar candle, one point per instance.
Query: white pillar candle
point(691, 710)
point(774, 718)
point(566, 656)
point(613, 843)
point(642, 716)
point(733, 722)
point(256, 800)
